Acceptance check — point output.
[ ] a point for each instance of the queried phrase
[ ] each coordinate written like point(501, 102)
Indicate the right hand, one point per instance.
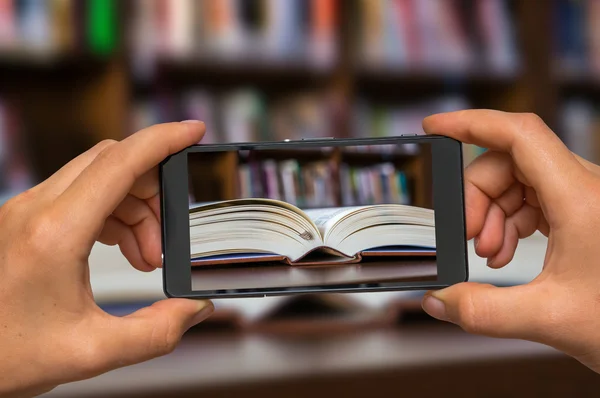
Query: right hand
point(528, 181)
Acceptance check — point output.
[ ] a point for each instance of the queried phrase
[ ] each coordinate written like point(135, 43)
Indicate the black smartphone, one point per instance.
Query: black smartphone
point(325, 215)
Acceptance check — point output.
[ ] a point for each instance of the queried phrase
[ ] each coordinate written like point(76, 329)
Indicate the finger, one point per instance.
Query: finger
point(531, 198)
point(59, 181)
point(139, 217)
point(94, 195)
point(492, 234)
point(594, 168)
point(544, 160)
point(513, 312)
point(518, 226)
point(154, 204)
point(512, 199)
point(486, 178)
point(150, 332)
point(146, 186)
point(115, 232)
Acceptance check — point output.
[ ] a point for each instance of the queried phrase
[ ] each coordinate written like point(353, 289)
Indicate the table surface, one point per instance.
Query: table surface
point(114, 280)
point(283, 275)
point(204, 360)
point(213, 359)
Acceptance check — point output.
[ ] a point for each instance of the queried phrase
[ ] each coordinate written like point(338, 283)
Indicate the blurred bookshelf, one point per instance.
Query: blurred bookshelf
point(74, 72)
point(315, 178)
point(79, 71)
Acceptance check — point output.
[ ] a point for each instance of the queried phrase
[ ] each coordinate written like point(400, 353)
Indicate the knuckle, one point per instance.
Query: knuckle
point(166, 336)
point(104, 144)
point(40, 230)
point(110, 156)
point(15, 203)
point(532, 123)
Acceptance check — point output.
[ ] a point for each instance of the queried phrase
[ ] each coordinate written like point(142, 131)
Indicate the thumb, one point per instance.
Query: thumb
point(487, 310)
point(152, 331)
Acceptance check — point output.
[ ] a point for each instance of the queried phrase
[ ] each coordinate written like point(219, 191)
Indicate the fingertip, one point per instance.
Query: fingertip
point(435, 307)
point(491, 237)
point(143, 266)
point(205, 309)
point(196, 128)
point(429, 123)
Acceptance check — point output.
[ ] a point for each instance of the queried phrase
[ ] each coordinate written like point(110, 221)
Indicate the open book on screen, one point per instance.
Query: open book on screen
point(255, 230)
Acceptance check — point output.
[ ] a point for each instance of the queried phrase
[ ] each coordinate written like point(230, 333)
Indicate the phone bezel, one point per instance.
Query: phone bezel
point(448, 198)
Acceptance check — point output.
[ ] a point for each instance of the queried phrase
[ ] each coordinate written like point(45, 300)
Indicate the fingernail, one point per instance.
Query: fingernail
point(191, 121)
point(205, 309)
point(435, 307)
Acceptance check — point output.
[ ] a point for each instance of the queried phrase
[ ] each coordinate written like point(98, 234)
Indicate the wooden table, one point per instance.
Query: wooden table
point(424, 360)
point(277, 275)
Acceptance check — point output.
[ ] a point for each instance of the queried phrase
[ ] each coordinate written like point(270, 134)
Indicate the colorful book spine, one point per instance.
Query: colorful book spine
point(102, 26)
point(8, 24)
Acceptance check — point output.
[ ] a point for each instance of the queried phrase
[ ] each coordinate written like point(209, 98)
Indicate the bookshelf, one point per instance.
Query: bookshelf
point(125, 67)
point(320, 177)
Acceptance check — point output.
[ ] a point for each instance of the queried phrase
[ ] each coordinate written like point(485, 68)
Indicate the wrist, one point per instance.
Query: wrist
point(20, 374)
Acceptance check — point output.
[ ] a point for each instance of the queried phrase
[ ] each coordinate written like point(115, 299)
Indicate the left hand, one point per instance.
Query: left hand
point(51, 330)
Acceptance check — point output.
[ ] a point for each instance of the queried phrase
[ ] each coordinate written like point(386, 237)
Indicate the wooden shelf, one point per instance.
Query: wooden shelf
point(376, 157)
point(313, 154)
point(49, 60)
point(578, 82)
point(262, 73)
point(309, 154)
point(392, 74)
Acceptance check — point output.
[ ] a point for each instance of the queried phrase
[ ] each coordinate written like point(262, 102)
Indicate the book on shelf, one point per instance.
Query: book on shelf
point(200, 105)
point(242, 115)
point(374, 184)
point(43, 28)
point(235, 31)
point(580, 125)
point(471, 152)
point(306, 185)
point(570, 35)
point(102, 25)
point(500, 51)
point(257, 230)
point(436, 36)
point(577, 37)
point(374, 119)
point(15, 172)
point(593, 35)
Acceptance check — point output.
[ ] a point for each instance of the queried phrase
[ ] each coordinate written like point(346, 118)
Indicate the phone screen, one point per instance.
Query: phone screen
point(312, 217)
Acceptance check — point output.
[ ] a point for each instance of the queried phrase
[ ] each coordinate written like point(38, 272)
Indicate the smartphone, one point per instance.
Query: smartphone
point(313, 216)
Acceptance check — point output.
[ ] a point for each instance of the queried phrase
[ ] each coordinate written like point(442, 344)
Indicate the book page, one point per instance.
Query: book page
point(239, 202)
point(251, 226)
point(324, 219)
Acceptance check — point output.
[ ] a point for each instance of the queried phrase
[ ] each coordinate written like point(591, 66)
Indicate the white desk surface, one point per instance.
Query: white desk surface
point(114, 280)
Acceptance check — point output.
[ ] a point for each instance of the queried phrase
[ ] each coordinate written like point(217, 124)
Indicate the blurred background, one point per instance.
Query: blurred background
point(74, 72)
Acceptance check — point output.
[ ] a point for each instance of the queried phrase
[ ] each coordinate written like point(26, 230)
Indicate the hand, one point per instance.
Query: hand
point(51, 330)
point(528, 181)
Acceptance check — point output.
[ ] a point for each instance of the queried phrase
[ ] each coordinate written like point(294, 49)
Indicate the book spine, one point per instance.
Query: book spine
point(102, 26)
point(180, 28)
point(323, 31)
point(287, 171)
point(8, 25)
point(62, 25)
